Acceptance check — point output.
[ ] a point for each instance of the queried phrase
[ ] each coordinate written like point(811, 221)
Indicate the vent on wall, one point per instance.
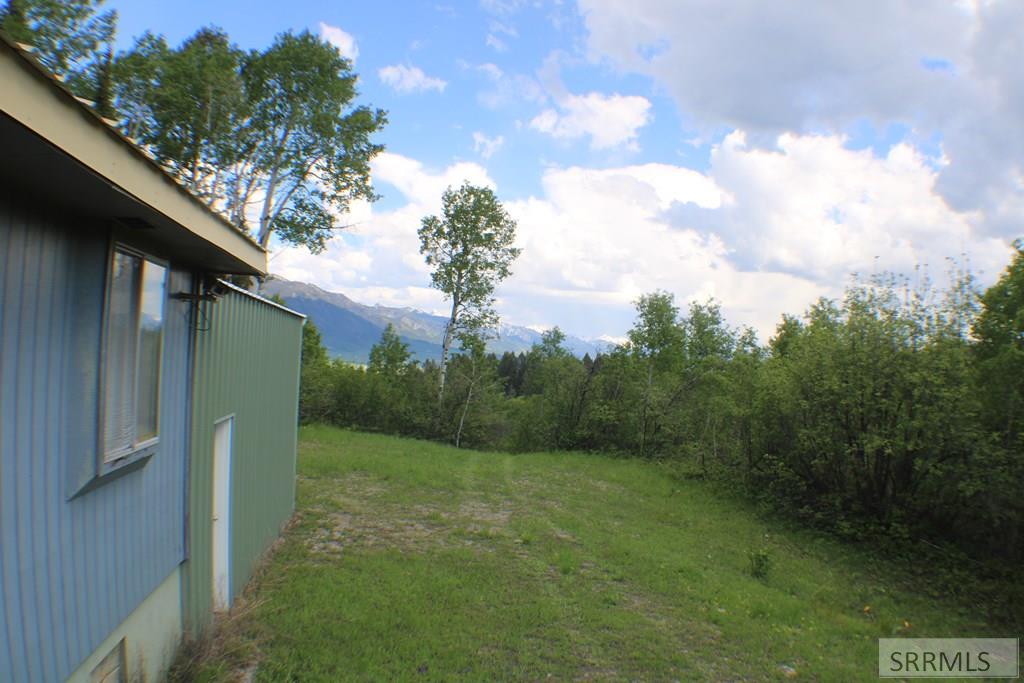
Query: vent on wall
point(134, 223)
point(112, 668)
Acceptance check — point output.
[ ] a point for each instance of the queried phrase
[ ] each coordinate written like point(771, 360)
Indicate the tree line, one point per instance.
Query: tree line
point(894, 412)
point(272, 139)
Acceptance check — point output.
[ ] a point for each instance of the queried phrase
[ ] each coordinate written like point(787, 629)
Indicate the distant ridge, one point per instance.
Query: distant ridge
point(350, 328)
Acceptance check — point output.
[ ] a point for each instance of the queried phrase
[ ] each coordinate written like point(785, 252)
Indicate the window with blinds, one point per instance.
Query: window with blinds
point(137, 288)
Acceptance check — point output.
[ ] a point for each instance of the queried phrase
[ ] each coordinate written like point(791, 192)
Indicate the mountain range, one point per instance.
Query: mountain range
point(349, 328)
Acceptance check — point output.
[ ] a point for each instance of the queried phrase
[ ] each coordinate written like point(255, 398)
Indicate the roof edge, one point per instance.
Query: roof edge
point(219, 232)
point(257, 297)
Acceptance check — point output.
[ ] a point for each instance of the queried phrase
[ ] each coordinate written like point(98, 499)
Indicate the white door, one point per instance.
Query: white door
point(222, 432)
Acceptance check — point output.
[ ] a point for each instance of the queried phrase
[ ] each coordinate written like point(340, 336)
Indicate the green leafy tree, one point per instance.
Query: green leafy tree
point(656, 334)
point(69, 36)
point(271, 138)
point(785, 332)
point(312, 148)
point(472, 405)
point(390, 356)
point(188, 105)
point(470, 249)
point(473, 348)
point(314, 354)
point(136, 82)
point(656, 340)
point(104, 97)
point(556, 396)
point(317, 377)
point(999, 330)
point(701, 398)
point(14, 22)
point(392, 387)
point(198, 105)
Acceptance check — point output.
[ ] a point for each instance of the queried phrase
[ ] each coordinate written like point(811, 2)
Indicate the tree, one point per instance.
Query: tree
point(14, 22)
point(270, 138)
point(313, 352)
point(312, 148)
point(316, 378)
point(999, 330)
point(68, 36)
point(473, 348)
point(196, 109)
point(507, 370)
point(656, 339)
point(136, 82)
point(656, 334)
point(470, 249)
point(556, 391)
point(104, 98)
point(389, 356)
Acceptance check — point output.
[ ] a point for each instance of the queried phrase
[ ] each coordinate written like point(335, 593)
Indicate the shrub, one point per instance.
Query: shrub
point(759, 563)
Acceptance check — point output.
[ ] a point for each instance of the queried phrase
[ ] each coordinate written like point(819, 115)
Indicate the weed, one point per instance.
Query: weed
point(759, 563)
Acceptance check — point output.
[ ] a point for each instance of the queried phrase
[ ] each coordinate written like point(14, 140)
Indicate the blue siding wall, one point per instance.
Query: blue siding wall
point(72, 569)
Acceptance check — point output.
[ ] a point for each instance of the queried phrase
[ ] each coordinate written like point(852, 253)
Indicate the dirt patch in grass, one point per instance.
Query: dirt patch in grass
point(343, 531)
point(352, 516)
point(484, 514)
point(357, 485)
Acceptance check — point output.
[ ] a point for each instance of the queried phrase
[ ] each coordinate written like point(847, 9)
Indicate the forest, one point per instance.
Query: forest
point(892, 414)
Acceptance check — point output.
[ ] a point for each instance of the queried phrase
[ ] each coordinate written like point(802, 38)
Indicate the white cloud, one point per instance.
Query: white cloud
point(345, 43)
point(815, 208)
point(506, 89)
point(486, 146)
point(497, 27)
point(609, 120)
point(493, 71)
point(501, 8)
point(409, 79)
point(948, 70)
point(421, 186)
point(496, 30)
point(496, 43)
point(764, 231)
point(772, 67)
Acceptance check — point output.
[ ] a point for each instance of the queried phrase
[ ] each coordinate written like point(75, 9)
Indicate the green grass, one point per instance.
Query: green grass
point(415, 561)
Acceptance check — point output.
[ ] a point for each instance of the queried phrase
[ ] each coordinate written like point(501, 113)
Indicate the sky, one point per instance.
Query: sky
point(758, 153)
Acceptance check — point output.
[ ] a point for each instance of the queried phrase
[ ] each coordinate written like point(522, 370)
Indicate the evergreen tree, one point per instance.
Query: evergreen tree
point(507, 369)
point(390, 356)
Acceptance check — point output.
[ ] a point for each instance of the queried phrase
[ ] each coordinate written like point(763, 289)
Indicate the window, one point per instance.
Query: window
point(136, 290)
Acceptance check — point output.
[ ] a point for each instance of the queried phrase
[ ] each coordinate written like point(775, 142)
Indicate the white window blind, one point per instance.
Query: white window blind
point(132, 352)
point(151, 324)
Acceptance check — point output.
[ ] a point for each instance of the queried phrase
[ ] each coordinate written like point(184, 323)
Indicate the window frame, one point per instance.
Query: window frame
point(138, 451)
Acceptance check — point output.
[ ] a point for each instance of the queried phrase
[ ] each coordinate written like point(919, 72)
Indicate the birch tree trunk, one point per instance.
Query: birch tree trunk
point(446, 343)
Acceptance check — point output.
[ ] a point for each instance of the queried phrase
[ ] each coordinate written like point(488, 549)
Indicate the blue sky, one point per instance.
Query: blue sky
point(752, 152)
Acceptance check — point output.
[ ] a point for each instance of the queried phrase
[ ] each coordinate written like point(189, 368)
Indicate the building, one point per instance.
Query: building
point(148, 408)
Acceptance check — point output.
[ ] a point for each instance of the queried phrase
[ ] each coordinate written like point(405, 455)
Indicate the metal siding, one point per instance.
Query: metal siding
point(17, 653)
point(247, 365)
point(72, 570)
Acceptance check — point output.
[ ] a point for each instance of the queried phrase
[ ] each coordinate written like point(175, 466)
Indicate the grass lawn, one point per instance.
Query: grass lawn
point(414, 561)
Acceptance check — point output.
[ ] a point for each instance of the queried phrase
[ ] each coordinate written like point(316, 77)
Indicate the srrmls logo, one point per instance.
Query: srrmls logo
point(948, 658)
